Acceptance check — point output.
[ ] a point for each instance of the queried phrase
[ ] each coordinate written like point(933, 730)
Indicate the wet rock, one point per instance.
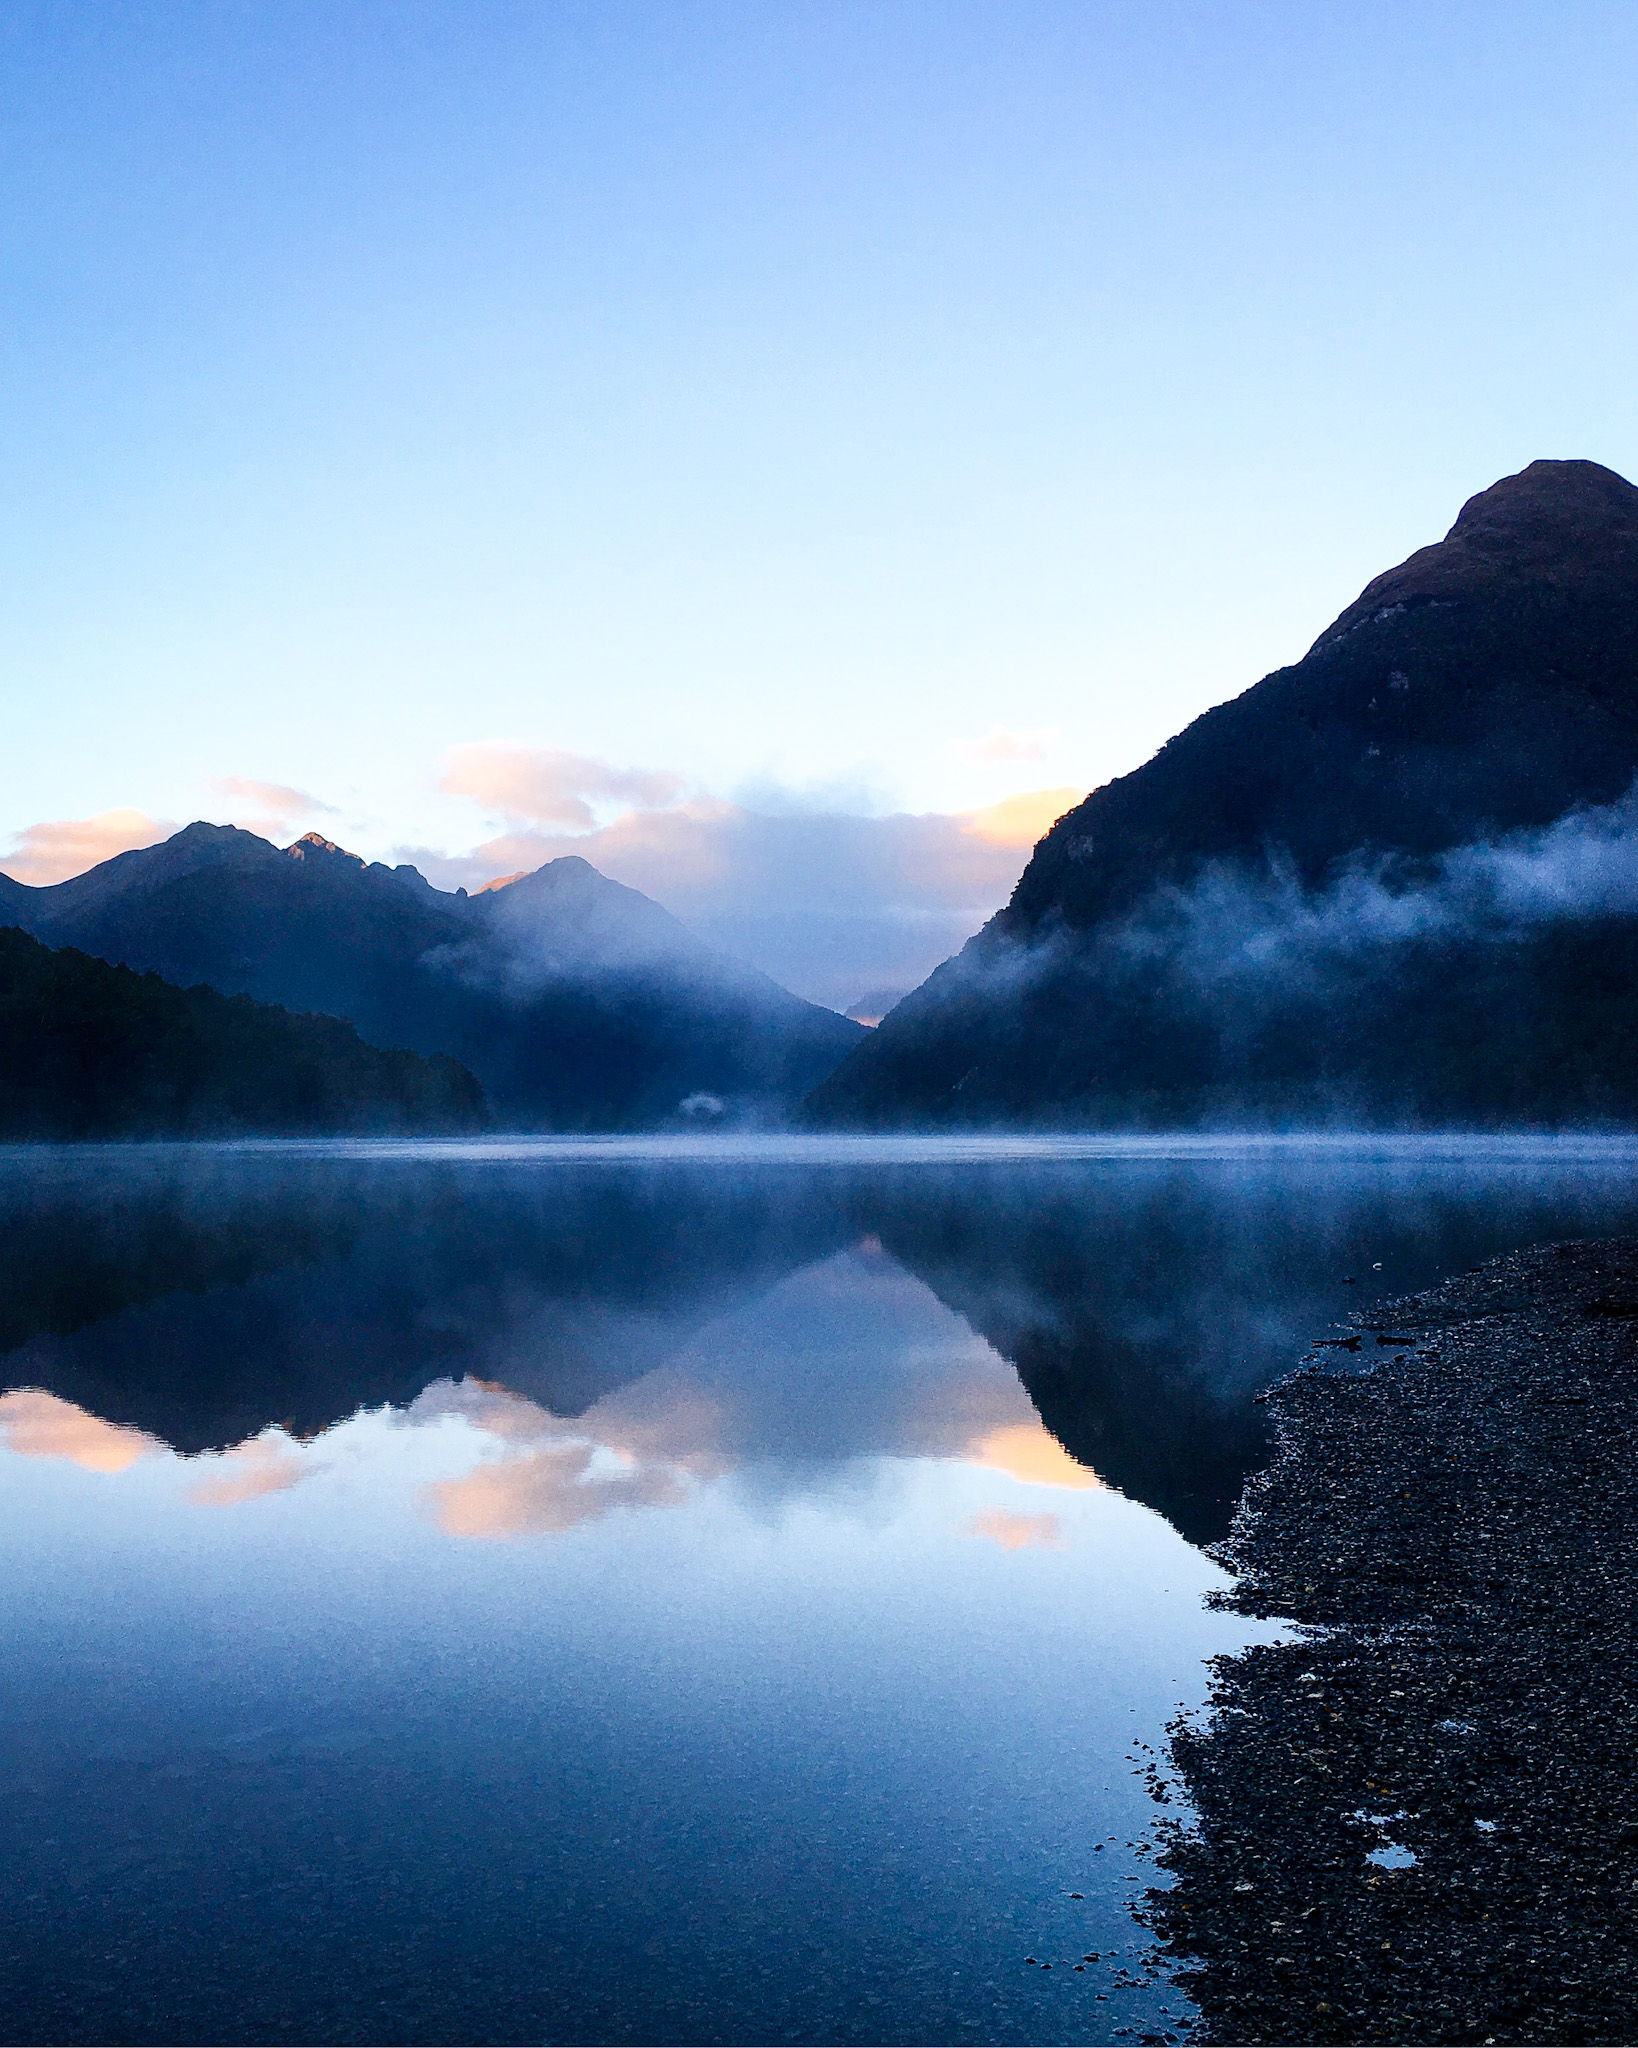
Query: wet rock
point(1419, 1821)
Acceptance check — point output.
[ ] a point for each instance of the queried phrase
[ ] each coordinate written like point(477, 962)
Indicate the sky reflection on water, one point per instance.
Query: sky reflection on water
point(565, 1593)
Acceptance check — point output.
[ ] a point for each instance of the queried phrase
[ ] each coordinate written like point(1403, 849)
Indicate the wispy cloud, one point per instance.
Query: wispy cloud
point(1002, 745)
point(68, 846)
point(544, 786)
point(544, 1493)
point(1261, 932)
point(36, 1424)
point(60, 848)
point(265, 1464)
point(269, 808)
point(1018, 1532)
point(845, 909)
point(557, 1475)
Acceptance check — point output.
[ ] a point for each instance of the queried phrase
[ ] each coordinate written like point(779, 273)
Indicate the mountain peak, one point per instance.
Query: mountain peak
point(314, 846)
point(1488, 686)
point(1578, 494)
point(1559, 524)
point(202, 833)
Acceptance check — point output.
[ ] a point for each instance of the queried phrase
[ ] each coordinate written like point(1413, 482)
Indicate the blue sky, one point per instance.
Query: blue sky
point(777, 400)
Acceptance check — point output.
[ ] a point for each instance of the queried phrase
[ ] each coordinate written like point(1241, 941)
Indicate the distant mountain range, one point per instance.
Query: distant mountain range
point(1395, 883)
point(90, 1050)
point(579, 1004)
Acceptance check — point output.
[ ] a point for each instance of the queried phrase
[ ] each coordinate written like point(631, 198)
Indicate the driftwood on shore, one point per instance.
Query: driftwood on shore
point(1418, 1822)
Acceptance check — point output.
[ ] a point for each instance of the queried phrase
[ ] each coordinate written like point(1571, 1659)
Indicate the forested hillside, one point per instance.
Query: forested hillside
point(90, 1050)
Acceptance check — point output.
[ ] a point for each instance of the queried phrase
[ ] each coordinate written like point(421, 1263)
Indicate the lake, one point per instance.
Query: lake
point(659, 1591)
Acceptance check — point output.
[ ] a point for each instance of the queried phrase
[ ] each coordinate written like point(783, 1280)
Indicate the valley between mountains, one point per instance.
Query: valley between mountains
point(1393, 885)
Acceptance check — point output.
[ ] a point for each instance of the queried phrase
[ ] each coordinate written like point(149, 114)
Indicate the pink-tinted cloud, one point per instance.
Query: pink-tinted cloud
point(839, 907)
point(635, 1448)
point(1000, 745)
point(68, 846)
point(1019, 821)
point(264, 1464)
point(1018, 1532)
point(544, 786)
point(35, 1424)
point(545, 1492)
point(1030, 1452)
point(924, 1387)
point(269, 808)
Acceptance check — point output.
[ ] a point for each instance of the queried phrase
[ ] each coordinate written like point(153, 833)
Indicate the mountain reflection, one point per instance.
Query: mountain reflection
point(850, 1358)
point(618, 1335)
point(35, 1424)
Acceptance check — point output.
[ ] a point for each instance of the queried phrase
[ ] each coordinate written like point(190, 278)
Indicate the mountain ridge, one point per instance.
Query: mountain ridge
point(1485, 687)
point(93, 1050)
point(579, 1003)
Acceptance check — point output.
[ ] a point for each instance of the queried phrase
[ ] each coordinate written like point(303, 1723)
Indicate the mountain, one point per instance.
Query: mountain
point(1395, 882)
point(201, 1302)
point(90, 1050)
point(579, 1004)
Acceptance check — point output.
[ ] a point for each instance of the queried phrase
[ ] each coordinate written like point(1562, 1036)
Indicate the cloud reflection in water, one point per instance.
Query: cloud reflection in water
point(1018, 1532)
point(35, 1424)
point(848, 1360)
point(268, 1463)
point(898, 1375)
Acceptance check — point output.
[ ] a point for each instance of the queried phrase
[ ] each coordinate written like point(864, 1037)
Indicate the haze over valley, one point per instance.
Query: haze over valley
point(1394, 885)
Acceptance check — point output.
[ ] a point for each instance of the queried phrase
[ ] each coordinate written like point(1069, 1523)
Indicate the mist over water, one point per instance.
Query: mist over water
point(670, 1590)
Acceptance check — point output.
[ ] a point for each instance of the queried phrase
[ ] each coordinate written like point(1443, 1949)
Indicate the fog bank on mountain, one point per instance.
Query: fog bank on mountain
point(579, 1004)
point(1396, 882)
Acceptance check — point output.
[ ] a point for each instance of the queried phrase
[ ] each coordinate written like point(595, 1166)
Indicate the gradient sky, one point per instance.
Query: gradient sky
point(807, 406)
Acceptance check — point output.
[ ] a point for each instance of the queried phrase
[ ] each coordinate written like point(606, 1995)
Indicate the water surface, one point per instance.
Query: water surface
point(654, 1591)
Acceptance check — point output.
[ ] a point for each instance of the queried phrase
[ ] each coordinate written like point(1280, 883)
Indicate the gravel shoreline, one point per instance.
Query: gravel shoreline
point(1419, 1821)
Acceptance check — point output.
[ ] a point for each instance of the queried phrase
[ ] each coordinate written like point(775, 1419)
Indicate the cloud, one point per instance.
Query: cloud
point(544, 1493)
point(1019, 821)
point(544, 786)
point(35, 1424)
point(1030, 1452)
point(264, 1464)
point(53, 852)
point(636, 1451)
point(999, 745)
point(839, 907)
point(1018, 1532)
point(270, 808)
point(660, 1418)
point(47, 853)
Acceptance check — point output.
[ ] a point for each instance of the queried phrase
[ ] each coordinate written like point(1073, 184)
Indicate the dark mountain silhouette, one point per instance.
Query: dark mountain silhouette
point(90, 1050)
point(1395, 882)
point(1121, 1325)
point(580, 1004)
point(201, 1301)
point(200, 1294)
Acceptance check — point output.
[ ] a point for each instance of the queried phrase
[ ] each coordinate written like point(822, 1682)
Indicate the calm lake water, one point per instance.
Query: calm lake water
point(661, 1592)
